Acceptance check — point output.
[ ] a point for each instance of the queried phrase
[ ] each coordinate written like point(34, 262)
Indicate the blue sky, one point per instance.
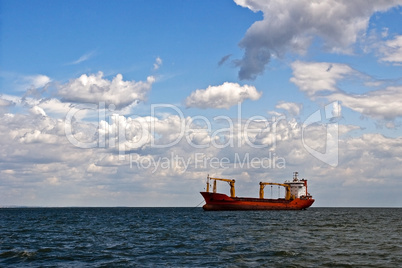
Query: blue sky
point(194, 76)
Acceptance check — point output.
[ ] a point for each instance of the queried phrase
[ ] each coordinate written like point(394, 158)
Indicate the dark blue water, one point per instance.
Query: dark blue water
point(183, 237)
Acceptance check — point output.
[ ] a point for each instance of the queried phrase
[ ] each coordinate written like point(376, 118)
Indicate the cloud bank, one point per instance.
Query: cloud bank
point(35, 155)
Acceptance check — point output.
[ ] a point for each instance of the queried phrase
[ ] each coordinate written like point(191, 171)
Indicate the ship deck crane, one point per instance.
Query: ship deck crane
point(231, 183)
point(287, 187)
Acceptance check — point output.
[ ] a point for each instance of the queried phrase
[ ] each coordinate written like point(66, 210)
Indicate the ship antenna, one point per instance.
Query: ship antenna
point(207, 184)
point(295, 174)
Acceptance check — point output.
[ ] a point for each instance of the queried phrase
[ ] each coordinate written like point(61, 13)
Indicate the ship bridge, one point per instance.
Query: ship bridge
point(298, 188)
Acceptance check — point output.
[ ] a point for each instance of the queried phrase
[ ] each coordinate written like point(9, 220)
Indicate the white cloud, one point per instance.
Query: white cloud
point(37, 81)
point(35, 152)
point(158, 63)
point(36, 110)
point(37, 136)
point(382, 104)
point(291, 27)
point(318, 77)
point(222, 96)
point(291, 107)
point(321, 79)
point(83, 58)
point(55, 107)
point(37, 158)
point(8, 171)
point(99, 169)
point(384, 33)
point(23, 82)
point(14, 100)
point(53, 180)
point(391, 50)
point(94, 88)
point(6, 103)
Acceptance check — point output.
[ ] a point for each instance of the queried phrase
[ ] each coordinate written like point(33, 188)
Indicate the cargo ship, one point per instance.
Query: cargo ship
point(296, 197)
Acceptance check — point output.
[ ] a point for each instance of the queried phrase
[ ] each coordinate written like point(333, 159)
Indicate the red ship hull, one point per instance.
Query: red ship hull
point(216, 201)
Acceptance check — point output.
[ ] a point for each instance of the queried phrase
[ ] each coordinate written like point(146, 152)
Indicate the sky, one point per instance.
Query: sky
point(135, 103)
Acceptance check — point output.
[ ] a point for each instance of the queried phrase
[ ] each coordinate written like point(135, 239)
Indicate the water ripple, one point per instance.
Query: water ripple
point(181, 237)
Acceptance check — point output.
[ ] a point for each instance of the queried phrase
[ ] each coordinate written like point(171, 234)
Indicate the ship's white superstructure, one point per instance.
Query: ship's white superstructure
point(298, 188)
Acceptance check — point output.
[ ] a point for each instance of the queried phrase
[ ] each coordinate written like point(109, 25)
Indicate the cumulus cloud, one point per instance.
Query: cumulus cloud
point(291, 107)
point(391, 50)
point(222, 96)
point(292, 27)
point(94, 88)
point(37, 81)
point(318, 77)
point(36, 110)
point(54, 107)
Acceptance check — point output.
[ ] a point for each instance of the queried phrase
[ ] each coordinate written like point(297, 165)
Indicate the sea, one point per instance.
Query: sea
point(191, 237)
